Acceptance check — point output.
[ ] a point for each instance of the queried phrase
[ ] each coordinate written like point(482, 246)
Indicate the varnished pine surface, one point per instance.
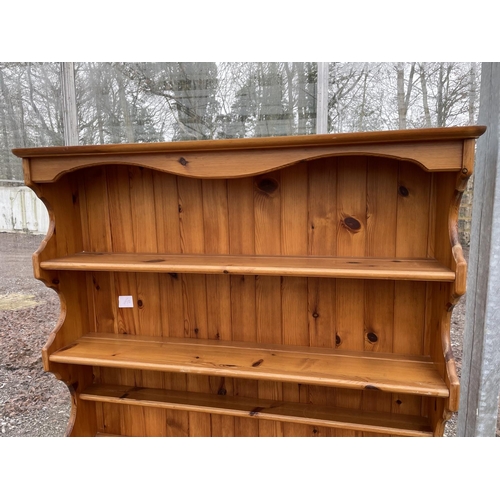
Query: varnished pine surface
point(326, 267)
point(378, 137)
point(361, 201)
point(260, 361)
point(262, 409)
point(433, 150)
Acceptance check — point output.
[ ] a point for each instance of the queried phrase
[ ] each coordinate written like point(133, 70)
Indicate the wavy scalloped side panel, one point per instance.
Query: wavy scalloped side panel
point(81, 421)
point(63, 237)
point(459, 287)
point(46, 250)
point(461, 183)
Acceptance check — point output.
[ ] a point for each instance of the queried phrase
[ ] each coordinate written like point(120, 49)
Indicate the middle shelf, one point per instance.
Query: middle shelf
point(305, 365)
point(278, 265)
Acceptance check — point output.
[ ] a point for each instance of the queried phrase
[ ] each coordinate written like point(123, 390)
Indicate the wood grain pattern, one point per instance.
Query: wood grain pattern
point(322, 240)
point(238, 158)
point(334, 368)
point(300, 274)
point(96, 233)
point(294, 241)
point(412, 212)
point(216, 234)
point(324, 267)
point(144, 223)
point(371, 138)
point(288, 413)
point(194, 292)
point(227, 164)
point(351, 241)
point(267, 209)
point(241, 220)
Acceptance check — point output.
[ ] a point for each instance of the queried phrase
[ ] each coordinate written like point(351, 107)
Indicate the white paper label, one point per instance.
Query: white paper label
point(125, 301)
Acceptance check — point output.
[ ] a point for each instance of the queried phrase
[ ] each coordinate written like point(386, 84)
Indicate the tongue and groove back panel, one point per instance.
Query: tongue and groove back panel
point(355, 206)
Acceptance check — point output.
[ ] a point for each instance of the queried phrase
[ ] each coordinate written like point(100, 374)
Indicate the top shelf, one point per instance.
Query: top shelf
point(433, 150)
point(296, 141)
point(310, 266)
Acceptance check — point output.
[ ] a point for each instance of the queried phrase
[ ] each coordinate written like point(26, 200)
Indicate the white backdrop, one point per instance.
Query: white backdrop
point(21, 210)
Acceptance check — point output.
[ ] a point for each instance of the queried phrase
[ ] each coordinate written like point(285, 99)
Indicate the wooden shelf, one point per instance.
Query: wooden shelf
point(326, 367)
point(324, 267)
point(270, 244)
point(264, 409)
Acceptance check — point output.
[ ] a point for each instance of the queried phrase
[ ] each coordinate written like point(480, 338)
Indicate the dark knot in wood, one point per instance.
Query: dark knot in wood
point(258, 363)
point(352, 224)
point(140, 303)
point(256, 411)
point(183, 161)
point(372, 337)
point(403, 191)
point(221, 391)
point(268, 185)
point(338, 340)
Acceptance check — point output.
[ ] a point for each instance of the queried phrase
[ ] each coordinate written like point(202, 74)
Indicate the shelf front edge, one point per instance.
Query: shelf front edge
point(324, 367)
point(307, 266)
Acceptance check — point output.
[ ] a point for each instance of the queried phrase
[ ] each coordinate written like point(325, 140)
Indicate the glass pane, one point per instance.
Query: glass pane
point(30, 111)
point(400, 95)
point(173, 101)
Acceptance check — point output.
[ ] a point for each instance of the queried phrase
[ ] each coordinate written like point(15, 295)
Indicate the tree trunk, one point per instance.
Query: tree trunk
point(404, 97)
point(425, 100)
point(6, 168)
point(129, 128)
point(472, 92)
point(363, 104)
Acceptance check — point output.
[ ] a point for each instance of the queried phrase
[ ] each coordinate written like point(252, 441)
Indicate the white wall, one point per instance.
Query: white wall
point(21, 210)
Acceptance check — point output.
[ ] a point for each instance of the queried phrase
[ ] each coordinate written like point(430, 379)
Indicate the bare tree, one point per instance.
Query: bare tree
point(147, 102)
point(405, 87)
point(425, 94)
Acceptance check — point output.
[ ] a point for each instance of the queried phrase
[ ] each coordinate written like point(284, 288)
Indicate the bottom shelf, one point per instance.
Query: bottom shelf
point(279, 411)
